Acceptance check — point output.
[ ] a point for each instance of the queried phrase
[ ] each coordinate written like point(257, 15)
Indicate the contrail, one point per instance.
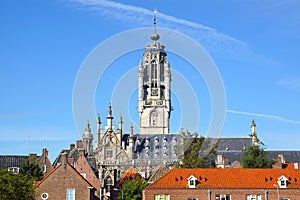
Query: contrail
point(208, 37)
point(264, 115)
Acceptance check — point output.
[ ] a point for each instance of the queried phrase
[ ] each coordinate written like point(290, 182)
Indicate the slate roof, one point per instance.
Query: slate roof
point(156, 146)
point(234, 144)
point(232, 149)
point(12, 161)
point(291, 156)
point(227, 178)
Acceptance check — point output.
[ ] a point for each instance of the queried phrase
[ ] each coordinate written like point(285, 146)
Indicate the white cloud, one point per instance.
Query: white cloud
point(275, 117)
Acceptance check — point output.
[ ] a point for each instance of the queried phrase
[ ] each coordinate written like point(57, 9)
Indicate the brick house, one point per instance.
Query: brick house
point(14, 162)
point(227, 184)
point(83, 167)
point(65, 182)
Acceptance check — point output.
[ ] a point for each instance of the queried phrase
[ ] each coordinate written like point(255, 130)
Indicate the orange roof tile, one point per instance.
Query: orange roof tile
point(130, 173)
point(227, 178)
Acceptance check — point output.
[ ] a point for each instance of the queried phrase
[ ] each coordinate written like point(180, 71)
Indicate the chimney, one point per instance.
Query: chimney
point(64, 158)
point(45, 152)
point(278, 163)
point(32, 158)
point(79, 144)
point(81, 152)
point(72, 146)
point(281, 158)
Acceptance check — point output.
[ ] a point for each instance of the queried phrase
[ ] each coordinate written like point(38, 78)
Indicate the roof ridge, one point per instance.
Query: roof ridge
point(58, 166)
point(149, 186)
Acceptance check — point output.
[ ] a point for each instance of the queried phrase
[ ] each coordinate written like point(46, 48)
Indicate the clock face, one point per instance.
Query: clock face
point(154, 92)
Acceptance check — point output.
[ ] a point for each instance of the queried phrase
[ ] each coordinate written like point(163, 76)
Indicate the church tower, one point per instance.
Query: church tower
point(154, 78)
point(87, 138)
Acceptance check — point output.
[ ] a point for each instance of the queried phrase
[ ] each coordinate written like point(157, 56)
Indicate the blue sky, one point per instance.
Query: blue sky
point(254, 44)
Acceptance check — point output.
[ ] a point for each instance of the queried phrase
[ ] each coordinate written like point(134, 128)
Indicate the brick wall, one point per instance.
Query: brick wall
point(63, 178)
point(236, 194)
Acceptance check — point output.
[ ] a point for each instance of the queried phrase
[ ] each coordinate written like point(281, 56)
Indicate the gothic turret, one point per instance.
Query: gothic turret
point(154, 78)
point(99, 128)
point(109, 119)
point(87, 139)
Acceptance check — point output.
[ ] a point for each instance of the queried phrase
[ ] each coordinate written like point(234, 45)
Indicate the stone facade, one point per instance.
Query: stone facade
point(154, 81)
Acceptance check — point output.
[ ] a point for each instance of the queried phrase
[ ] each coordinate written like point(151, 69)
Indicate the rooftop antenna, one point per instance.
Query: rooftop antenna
point(29, 144)
point(44, 142)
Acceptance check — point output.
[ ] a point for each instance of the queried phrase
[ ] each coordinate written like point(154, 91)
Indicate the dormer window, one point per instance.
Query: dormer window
point(192, 181)
point(282, 182)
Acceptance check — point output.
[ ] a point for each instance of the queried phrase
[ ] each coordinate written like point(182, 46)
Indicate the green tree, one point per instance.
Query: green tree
point(197, 152)
point(132, 189)
point(15, 187)
point(255, 157)
point(31, 170)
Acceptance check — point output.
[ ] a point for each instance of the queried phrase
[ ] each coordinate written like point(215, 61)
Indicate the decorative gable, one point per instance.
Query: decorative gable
point(192, 181)
point(282, 182)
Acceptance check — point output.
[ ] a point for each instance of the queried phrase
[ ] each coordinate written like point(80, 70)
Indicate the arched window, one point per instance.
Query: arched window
point(109, 181)
point(153, 118)
point(154, 74)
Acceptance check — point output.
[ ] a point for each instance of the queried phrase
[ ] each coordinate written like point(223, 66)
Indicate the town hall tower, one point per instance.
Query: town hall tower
point(154, 98)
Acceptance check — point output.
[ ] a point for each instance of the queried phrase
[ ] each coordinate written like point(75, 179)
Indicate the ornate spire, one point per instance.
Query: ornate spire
point(88, 128)
point(99, 119)
point(155, 35)
point(131, 129)
point(253, 123)
point(109, 110)
point(120, 122)
point(99, 123)
point(253, 133)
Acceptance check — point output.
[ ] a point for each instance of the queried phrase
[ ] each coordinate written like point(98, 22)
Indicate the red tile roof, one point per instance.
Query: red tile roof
point(130, 173)
point(228, 178)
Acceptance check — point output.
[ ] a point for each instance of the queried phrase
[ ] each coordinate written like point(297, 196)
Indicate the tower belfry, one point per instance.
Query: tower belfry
point(154, 78)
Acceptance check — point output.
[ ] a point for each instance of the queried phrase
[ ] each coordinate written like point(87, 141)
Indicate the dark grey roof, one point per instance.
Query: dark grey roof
point(232, 156)
point(156, 146)
point(290, 156)
point(12, 161)
point(234, 144)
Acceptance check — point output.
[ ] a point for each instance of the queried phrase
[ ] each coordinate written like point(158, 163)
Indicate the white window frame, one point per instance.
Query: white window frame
point(192, 181)
point(45, 195)
point(70, 194)
point(253, 197)
point(161, 197)
point(282, 182)
point(220, 196)
point(44, 168)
